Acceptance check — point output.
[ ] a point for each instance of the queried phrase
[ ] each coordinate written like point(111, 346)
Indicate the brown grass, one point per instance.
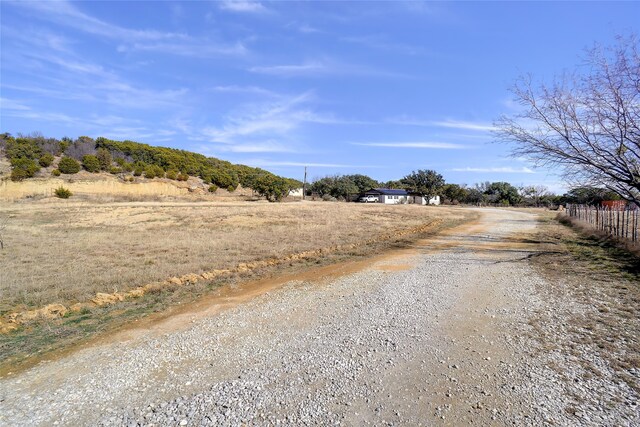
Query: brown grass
point(594, 288)
point(67, 251)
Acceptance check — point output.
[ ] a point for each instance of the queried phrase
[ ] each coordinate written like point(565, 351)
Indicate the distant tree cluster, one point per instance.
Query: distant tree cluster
point(28, 154)
point(430, 183)
point(343, 187)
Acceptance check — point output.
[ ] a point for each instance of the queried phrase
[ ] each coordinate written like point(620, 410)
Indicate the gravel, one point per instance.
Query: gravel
point(446, 341)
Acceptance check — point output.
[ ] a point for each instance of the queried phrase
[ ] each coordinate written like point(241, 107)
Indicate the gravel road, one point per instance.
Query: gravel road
point(432, 335)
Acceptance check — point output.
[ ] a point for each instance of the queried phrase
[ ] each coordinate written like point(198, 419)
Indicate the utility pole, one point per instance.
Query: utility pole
point(304, 184)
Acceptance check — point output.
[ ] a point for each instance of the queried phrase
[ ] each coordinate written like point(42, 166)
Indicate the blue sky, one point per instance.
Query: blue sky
point(379, 88)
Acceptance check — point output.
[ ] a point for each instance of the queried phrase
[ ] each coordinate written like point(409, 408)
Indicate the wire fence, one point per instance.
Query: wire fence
point(619, 221)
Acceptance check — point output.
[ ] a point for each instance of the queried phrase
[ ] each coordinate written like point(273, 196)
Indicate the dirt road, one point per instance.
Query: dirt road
point(437, 334)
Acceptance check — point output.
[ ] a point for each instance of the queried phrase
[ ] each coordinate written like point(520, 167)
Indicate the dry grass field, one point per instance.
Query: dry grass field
point(65, 251)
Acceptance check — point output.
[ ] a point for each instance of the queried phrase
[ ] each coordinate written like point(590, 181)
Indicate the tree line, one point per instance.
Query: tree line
point(29, 154)
point(429, 183)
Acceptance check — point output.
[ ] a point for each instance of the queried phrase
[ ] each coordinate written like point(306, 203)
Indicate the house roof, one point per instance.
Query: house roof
point(387, 191)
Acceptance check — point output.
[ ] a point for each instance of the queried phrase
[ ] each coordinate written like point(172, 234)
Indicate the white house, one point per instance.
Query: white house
point(389, 196)
point(296, 192)
point(421, 200)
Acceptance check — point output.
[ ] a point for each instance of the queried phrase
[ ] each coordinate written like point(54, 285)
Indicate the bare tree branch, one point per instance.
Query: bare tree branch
point(587, 123)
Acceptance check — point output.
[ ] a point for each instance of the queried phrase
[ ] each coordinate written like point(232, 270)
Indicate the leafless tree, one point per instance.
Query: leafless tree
point(586, 122)
point(534, 192)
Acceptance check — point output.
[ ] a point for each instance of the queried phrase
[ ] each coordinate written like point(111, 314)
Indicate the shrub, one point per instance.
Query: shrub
point(213, 188)
point(23, 168)
point(23, 148)
point(172, 174)
point(183, 177)
point(91, 163)
point(69, 166)
point(64, 144)
point(18, 175)
point(150, 172)
point(115, 170)
point(55, 172)
point(63, 193)
point(153, 171)
point(46, 160)
point(104, 158)
point(231, 188)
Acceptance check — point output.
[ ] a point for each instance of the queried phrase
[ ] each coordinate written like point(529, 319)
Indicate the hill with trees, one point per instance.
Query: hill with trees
point(28, 154)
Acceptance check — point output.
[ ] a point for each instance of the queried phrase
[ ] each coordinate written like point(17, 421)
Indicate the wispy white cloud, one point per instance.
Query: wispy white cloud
point(126, 95)
point(456, 124)
point(66, 14)
point(40, 116)
point(266, 120)
point(35, 36)
point(199, 49)
point(417, 6)
point(266, 163)
point(381, 42)
point(323, 67)
point(10, 104)
point(303, 27)
point(68, 77)
point(494, 170)
point(268, 146)
point(253, 90)
point(450, 124)
point(308, 29)
point(242, 6)
point(307, 68)
point(420, 144)
point(110, 126)
point(267, 126)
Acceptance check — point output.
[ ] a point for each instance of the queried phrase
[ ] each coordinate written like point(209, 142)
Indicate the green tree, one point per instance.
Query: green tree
point(454, 193)
point(274, 188)
point(23, 168)
point(476, 196)
point(342, 186)
point(90, 163)
point(23, 148)
point(68, 165)
point(363, 182)
point(394, 184)
point(503, 193)
point(104, 157)
point(424, 182)
point(65, 142)
point(589, 195)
